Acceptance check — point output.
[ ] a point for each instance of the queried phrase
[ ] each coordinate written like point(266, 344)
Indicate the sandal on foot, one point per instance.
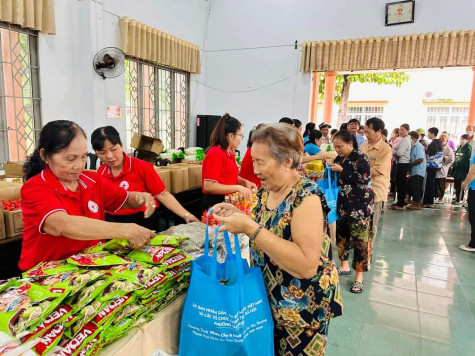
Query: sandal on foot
point(343, 273)
point(357, 287)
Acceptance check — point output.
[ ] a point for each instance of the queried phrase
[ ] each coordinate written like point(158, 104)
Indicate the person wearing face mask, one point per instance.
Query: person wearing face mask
point(220, 172)
point(355, 207)
point(441, 176)
point(470, 130)
point(461, 167)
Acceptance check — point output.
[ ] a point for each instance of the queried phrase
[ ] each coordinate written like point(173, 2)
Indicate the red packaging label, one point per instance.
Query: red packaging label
point(110, 308)
point(156, 280)
point(49, 338)
point(174, 259)
point(79, 340)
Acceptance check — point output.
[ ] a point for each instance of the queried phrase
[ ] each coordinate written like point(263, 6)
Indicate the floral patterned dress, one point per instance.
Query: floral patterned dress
point(302, 308)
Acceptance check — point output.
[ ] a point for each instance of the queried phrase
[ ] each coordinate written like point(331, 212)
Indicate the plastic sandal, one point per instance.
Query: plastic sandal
point(343, 273)
point(357, 287)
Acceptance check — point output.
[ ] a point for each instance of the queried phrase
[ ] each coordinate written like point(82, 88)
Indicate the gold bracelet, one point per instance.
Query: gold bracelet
point(186, 215)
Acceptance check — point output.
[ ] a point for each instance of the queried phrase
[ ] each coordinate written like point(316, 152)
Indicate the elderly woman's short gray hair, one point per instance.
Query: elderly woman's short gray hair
point(285, 142)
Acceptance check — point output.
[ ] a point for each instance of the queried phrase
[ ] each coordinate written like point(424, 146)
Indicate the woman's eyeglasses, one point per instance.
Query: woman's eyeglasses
point(241, 135)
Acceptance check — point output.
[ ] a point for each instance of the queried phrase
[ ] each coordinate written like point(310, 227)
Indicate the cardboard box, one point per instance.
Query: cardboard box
point(147, 156)
point(179, 179)
point(13, 169)
point(194, 175)
point(164, 175)
point(13, 222)
point(147, 143)
point(3, 232)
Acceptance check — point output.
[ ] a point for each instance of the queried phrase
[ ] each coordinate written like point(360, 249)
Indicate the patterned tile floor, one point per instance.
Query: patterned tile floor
point(419, 296)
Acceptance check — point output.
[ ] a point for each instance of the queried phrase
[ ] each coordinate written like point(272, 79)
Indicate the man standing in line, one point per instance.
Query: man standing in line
point(402, 153)
point(418, 170)
point(434, 163)
point(379, 154)
point(353, 127)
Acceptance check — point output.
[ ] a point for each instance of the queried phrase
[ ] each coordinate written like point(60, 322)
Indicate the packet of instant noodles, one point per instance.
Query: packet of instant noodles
point(117, 331)
point(49, 339)
point(153, 254)
point(135, 272)
point(60, 314)
point(7, 283)
point(25, 306)
point(116, 289)
point(109, 309)
point(44, 269)
point(111, 245)
point(155, 282)
point(80, 340)
point(167, 240)
point(84, 316)
point(89, 293)
point(96, 260)
point(74, 279)
point(176, 260)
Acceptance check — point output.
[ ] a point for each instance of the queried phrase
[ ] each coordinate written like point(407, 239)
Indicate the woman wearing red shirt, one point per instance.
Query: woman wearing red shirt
point(247, 167)
point(63, 206)
point(134, 174)
point(220, 172)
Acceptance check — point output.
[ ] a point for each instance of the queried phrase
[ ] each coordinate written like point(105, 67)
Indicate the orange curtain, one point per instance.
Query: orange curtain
point(148, 43)
point(429, 50)
point(34, 14)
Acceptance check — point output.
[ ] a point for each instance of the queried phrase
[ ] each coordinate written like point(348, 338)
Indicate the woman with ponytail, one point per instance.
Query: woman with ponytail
point(220, 172)
point(63, 207)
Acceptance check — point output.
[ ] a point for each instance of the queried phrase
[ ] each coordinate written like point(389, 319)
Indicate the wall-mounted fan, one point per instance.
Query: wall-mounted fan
point(109, 62)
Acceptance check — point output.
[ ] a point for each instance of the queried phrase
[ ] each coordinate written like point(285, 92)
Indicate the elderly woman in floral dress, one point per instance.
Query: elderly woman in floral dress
point(289, 244)
point(355, 207)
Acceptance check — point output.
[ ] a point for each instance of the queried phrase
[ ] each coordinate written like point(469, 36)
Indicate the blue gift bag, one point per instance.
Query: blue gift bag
point(226, 311)
point(329, 186)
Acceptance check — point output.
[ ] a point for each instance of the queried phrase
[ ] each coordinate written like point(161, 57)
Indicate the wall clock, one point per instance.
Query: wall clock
point(400, 12)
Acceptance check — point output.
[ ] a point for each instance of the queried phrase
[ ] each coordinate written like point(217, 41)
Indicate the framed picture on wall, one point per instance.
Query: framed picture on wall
point(400, 12)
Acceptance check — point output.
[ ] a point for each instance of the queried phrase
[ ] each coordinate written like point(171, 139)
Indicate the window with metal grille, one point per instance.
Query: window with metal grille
point(20, 120)
point(157, 103)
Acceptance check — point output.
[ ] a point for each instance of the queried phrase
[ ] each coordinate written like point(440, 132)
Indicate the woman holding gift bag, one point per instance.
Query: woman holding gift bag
point(355, 207)
point(288, 243)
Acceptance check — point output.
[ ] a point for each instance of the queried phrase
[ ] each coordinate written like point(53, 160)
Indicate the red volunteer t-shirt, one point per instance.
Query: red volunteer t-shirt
point(44, 195)
point(136, 176)
point(219, 166)
point(247, 169)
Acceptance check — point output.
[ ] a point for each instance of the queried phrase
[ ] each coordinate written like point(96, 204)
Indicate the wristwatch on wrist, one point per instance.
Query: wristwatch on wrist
point(186, 215)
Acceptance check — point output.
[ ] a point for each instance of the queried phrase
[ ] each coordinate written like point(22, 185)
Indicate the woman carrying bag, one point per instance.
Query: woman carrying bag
point(288, 243)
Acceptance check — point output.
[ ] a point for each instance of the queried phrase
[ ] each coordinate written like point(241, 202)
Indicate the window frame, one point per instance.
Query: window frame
point(171, 125)
point(34, 69)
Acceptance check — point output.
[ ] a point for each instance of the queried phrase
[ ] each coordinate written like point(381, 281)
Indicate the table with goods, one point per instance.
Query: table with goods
point(106, 300)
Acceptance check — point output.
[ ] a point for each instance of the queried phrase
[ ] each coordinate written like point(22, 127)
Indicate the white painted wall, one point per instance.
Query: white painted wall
point(249, 23)
point(71, 89)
